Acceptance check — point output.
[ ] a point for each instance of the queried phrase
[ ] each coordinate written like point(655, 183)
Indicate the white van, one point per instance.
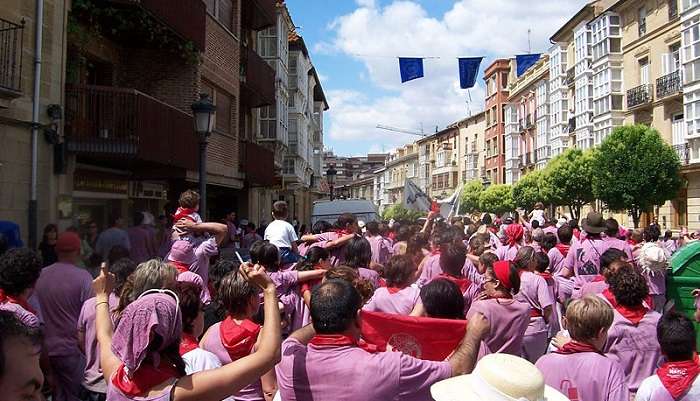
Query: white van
point(330, 210)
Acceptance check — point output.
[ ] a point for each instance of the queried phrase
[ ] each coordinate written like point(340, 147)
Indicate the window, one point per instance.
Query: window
point(642, 21)
point(223, 103)
point(688, 4)
point(644, 71)
point(672, 9)
point(222, 10)
point(504, 80)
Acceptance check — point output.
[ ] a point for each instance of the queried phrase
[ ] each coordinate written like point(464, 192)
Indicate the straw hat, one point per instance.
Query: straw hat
point(593, 223)
point(498, 377)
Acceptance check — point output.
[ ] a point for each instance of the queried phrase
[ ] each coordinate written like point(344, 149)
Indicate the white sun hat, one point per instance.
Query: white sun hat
point(497, 377)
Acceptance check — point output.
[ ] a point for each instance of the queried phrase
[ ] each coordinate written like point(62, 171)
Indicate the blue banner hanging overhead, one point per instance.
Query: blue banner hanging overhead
point(411, 68)
point(526, 61)
point(468, 70)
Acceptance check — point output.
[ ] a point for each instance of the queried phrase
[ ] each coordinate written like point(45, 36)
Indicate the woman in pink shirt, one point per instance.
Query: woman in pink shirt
point(508, 319)
point(632, 338)
point(514, 237)
point(142, 360)
point(381, 250)
point(534, 292)
point(358, 255)
point(399, 296)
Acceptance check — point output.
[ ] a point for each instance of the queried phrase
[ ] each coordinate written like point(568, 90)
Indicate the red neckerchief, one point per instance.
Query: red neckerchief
point(545, 275)
point(17, 301)
point(342, 232)
point(144, 379)
point(393, 290)
point(183, 213)
point(563, 249)
point(575, 347)
point(238, 339)
point(188, 343)
point(598, 279)
point(333, 340)
point(632, 242)
point(462, 283)
point(577, 233)
point(677, 377)
point(634, 315)
point(381, 282)
point(181, 267)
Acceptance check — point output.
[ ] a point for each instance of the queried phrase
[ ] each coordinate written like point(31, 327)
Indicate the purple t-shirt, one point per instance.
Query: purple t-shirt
point(62, 289)
point(592, 288)
point(140, 238)
point(507, 252)
point(635, 346)
point(28, 318)
point(94, 379)
point(284, 280)
point(585, 376)
point(399, 303)
point(556, 260)
point(381, 252)
point(369, 275)
point(508, 319)
point(534, 291)
point(347, 373)
point(584, 257)
point(203, 252)
point(432, 269)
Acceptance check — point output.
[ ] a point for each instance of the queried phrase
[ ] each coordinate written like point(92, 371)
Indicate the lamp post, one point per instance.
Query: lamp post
point(204, 112)
point(330, 175)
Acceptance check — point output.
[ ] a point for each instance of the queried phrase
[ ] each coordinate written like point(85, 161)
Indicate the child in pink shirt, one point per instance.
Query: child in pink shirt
point(452, 264)
point(399, 296)
point(188, 209)
point(381, 250)
point(579, 369)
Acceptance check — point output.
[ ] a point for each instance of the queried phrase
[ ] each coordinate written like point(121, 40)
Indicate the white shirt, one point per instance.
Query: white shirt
point(652, 384)
point(198, 360)
point(280, 234)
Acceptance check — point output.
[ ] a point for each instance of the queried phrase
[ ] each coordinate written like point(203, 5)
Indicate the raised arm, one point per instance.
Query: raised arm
point(310, 275)
point(464, 357)
point(217, 384)
point(103, 285)
point(336, 243)
point(217, 229)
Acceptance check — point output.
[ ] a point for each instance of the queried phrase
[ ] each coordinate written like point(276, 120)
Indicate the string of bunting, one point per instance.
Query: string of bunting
point(411, 68)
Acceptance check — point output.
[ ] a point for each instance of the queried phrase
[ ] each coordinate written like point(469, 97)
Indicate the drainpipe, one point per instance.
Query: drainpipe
point(38, 33)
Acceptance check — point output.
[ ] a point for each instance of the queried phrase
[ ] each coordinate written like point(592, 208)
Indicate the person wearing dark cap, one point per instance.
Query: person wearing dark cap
point(62, 289)
point(583, 258)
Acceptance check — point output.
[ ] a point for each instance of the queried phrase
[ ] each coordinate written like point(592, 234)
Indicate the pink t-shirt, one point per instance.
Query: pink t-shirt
point(62, 289)
point(93, 380)
point(28, 318)
point(348, 373)
point(534, 291)
point(369, 275)
point(381, 251)
point(203, 252)
point(585, 376)
point(634, 346)
point(284, 280)
point(432, 269)
point(619, 244)
point(652, 389)
point(399, 303)
point(556, 260)
point(592, 288)
point(508, 319)
point(507, 252)
point(584, 257)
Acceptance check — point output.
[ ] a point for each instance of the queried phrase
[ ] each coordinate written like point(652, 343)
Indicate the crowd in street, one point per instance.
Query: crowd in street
point(516, 307)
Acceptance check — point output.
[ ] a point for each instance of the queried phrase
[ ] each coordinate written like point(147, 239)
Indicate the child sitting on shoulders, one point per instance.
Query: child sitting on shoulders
point(189, 210)
point(282, 234)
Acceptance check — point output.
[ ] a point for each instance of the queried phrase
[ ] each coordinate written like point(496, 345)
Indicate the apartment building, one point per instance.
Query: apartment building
point(472, 141)
point(350, 168)
point(401, 164)
point(441, 162)
point(527, 140)
point(496, 80)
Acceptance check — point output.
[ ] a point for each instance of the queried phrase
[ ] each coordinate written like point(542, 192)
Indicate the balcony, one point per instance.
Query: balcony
point(528, 159)
point(258, 14)
point(683, 152)
point(11, 38)
point(521, 126)
point(257, 80)
point(572, 125)
point(121, 123)
point(528, 121)
point(570, 77)
point(255, 162)
point(639, 96)
point(669, 85)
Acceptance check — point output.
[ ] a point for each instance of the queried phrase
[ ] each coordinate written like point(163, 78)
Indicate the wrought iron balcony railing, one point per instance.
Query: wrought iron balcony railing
point(570, 76)
point(11, 57)
point(683, 152)
point(639, 96)
point(668, 85)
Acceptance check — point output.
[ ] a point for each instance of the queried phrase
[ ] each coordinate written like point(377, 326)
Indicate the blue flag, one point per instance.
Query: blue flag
point(468, 70)
point(411, 68)
point(526, 61)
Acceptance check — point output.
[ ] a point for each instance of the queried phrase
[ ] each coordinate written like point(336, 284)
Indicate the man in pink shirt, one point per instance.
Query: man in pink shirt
point(632, 336)
point(610, 261)
point(324, 361)
point(62, 289)
point(381, 250)
point(203, 251)
point(612, 231)
point(678, 379)
point(579, 369)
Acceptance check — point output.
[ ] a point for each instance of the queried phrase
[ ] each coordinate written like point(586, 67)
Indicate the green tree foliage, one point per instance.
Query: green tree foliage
point(469, 201)
point(399, 212)
point(568, 176)
point(531, 189)
point(634, 169)
point(497, 199)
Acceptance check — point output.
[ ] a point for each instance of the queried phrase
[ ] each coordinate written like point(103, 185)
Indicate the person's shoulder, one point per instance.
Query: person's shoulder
point(648, 387)
point(89, 303)
point(292, 345)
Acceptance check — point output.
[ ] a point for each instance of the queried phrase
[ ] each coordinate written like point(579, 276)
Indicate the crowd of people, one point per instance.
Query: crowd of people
point(517, 307)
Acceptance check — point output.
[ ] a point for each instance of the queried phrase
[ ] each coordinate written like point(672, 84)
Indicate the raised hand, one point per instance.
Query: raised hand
point(104, 283)
point(256, 275)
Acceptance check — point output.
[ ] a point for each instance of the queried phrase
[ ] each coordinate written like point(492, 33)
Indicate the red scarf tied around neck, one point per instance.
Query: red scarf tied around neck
point(181, 267)
point(575, 347)
point(183, 213)
point(462, 283)
point(563, 249)
point(677, 377)
point(634, 315)
point(143, 380)
point(188, 343)
point(17, 301)
point(238, 340)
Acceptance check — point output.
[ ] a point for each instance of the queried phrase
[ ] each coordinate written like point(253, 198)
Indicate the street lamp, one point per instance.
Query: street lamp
point(330, 176)
point(204, 112)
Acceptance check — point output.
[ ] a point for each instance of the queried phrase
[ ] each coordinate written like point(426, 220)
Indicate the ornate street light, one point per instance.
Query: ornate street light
point(330, 176)
point(204, 112)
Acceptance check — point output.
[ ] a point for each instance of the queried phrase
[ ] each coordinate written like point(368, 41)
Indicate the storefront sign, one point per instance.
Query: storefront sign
point(90, 181)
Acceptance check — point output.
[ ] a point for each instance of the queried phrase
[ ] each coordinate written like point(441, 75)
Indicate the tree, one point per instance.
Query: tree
point(469, 201)
point(634, 169)
point(530, 189)
point(497, 199)
point(399, 212)
point(568, 176)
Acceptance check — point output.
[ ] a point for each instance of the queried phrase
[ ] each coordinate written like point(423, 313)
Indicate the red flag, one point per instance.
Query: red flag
point(422, 337)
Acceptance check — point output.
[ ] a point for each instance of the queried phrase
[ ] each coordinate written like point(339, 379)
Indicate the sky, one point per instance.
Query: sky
point(355, 44)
